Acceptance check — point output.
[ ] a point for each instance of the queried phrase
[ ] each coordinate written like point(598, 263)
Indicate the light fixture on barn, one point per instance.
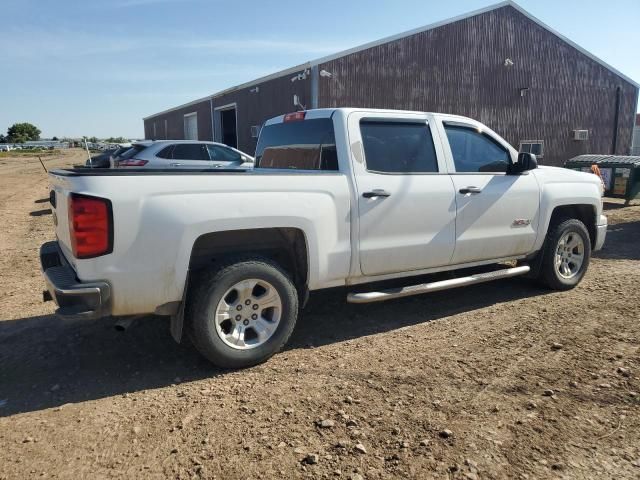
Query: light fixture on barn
point(508, 62)
point(301, 76)
point(254, 90)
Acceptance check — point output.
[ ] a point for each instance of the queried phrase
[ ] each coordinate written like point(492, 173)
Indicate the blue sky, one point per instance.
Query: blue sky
point(98, 67)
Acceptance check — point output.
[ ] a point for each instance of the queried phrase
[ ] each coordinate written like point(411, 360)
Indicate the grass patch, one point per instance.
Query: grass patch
point(29, 153)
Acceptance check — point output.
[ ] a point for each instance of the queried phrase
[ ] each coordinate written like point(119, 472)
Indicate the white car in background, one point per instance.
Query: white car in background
point(189, 154)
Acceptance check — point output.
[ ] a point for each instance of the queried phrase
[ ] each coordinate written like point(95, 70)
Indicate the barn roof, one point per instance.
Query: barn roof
point(382, 41)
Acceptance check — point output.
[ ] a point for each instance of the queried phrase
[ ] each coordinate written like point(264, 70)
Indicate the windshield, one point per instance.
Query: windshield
point(303, 145)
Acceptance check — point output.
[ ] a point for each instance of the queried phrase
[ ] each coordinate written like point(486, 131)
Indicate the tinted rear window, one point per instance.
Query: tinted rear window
point(303, 145)
point(132, 152)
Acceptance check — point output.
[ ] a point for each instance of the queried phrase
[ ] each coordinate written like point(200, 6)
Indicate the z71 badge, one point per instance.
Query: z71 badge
point(521, 222)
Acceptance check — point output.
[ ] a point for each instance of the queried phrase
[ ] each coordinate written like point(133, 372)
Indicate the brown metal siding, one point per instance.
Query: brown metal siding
point(175, 123)
point(274, 97)
point(459, 68)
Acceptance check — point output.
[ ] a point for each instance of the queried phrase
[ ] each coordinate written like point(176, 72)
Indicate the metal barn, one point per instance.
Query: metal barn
point(499, 65)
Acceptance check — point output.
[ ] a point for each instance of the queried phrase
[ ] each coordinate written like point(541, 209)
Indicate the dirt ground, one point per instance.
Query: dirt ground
point(460, 384)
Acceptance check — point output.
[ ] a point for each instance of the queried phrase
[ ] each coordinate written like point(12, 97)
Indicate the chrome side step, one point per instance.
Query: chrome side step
point(381, 296)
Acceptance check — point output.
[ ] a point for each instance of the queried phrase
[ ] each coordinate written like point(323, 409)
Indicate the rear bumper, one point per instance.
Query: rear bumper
point(601, 233)
point(75, 299)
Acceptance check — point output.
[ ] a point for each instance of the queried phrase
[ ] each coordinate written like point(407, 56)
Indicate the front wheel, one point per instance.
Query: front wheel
point(566, 254)
point(242, 313)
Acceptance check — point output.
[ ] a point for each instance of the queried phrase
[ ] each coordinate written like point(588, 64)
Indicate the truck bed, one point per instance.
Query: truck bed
point(118, 172)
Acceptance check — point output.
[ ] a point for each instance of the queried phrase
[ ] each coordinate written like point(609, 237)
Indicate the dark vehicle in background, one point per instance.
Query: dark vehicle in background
point(104, 159)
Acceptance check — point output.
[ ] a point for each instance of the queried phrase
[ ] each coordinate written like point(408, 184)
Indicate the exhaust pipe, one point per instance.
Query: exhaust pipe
point(123, 323)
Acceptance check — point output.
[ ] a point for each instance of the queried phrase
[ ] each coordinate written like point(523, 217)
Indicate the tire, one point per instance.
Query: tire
point(260, 322)
point(559, 269)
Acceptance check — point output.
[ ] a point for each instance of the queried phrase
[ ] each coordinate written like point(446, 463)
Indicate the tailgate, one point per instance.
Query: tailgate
point(60, 189)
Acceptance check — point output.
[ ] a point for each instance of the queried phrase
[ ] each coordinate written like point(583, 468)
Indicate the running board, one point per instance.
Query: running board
point(381, 296)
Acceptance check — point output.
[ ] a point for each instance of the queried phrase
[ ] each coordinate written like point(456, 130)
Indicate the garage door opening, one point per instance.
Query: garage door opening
point(226, 125)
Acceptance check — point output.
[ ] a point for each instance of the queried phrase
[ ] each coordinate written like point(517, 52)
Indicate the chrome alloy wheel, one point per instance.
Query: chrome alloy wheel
point(569, 255)
point(248, 314)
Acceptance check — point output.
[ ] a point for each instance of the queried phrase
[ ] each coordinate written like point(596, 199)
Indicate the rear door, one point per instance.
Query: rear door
point(497, 214)
point(190, 155)
point(406, 200)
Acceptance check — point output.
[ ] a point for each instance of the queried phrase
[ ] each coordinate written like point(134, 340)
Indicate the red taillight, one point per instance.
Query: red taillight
point(90, 226)
point(294, 116)
point(134, 162)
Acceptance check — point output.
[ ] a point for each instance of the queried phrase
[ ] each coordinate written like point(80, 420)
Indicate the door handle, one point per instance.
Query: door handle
point(472, 190)
point(175, 164)
point(376, 193)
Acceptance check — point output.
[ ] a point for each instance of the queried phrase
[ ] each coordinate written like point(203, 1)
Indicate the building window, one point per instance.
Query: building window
point(532, 146)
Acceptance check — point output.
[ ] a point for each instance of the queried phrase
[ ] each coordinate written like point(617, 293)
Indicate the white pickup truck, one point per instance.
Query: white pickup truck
point(339, 197)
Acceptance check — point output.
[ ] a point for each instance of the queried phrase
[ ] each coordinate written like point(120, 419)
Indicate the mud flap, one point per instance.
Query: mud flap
point(535, 262)
point(177, 320)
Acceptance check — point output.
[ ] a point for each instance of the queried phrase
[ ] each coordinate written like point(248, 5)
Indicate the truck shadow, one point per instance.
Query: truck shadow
point(48, 363)
point(329, 319)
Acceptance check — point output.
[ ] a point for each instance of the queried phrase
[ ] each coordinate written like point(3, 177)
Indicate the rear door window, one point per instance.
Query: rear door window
point(190, 151)
point(301, 145)
point(398, 147)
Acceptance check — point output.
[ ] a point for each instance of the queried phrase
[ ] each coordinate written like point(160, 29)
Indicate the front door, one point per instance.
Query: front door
point(406, 201)
point(497, 214)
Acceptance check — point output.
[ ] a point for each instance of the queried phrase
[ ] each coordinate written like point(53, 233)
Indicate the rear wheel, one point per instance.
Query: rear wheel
point(566, 254)
point(242, 313)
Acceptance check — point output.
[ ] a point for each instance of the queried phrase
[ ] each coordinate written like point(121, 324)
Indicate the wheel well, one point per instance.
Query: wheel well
point(585, 213)
point(286, 246)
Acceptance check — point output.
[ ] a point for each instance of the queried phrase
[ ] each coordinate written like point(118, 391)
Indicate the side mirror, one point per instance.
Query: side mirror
point(525, 162)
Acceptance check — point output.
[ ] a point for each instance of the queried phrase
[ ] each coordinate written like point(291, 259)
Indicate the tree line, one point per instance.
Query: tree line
point(20, 133)
point(27, 132)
